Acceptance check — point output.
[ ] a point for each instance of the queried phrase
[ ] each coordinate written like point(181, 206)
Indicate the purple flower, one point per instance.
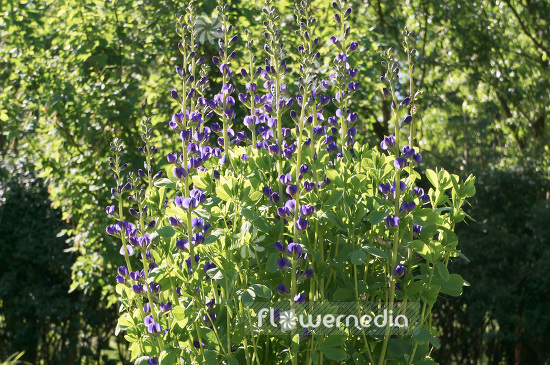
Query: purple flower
point(291, 205)
point(283, 263)
point(300, 298)
point(400, 163)
point(408, 119)
point(392, 221)
point(154, 287)
point(210, 317)
point(198, 344)
point(165, 307)
point(282, 289)
point(120, 279)
point(302, 224)
point(309, 186)
point(417, 157)
point(285, 179)
point(408, 152)
point(174, 94)
point(110, 210)
point(407, 207)
point(182, 244)
point(406, 101)
point(137, 288)
point(308, 273)
point(174, 221)
point(384, 188)
point(387, 142)
point(291, 189)
point(179, 173)
point(122, 271)
point(153, 361)
point(306, 210)
point(294, 249)
point(399, 271)
point(416, 230)
point(279, 246)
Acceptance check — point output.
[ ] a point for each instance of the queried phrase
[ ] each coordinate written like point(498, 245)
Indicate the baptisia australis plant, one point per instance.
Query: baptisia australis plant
point(280, 206)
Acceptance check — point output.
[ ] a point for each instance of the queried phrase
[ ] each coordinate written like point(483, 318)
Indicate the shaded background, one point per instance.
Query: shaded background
point(76, 73)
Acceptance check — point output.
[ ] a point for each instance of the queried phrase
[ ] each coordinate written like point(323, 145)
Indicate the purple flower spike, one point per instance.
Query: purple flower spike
point(399, 271)
point(392, 221)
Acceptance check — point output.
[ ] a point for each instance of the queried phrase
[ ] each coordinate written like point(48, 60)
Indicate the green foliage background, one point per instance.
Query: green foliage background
point(76, 73)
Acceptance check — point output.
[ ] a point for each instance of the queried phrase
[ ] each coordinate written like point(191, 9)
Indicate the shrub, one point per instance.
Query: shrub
point(286, 212)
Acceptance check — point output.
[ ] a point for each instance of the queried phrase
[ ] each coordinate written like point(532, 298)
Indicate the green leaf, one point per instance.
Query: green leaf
point(182, 316)
point(222, 193)
point(166, 232)
point(378, 216)
point(343, 295)
point(249, 214)
point(422, 335)
point(231, 360)
point(375, 251)
point(333, 341)
point(165, 182)
point(261, 290)
point(442, 270)
point(358, 182)
point(333, 199)
point(334, 354)
point(432, 177)
point(168, 358)
point(453, 286)
point(215, 273)
point(272, 263)
point(247, 297)
point(358, 257)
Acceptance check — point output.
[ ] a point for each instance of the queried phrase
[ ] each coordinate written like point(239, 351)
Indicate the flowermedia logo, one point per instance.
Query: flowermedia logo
point(332, 318)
